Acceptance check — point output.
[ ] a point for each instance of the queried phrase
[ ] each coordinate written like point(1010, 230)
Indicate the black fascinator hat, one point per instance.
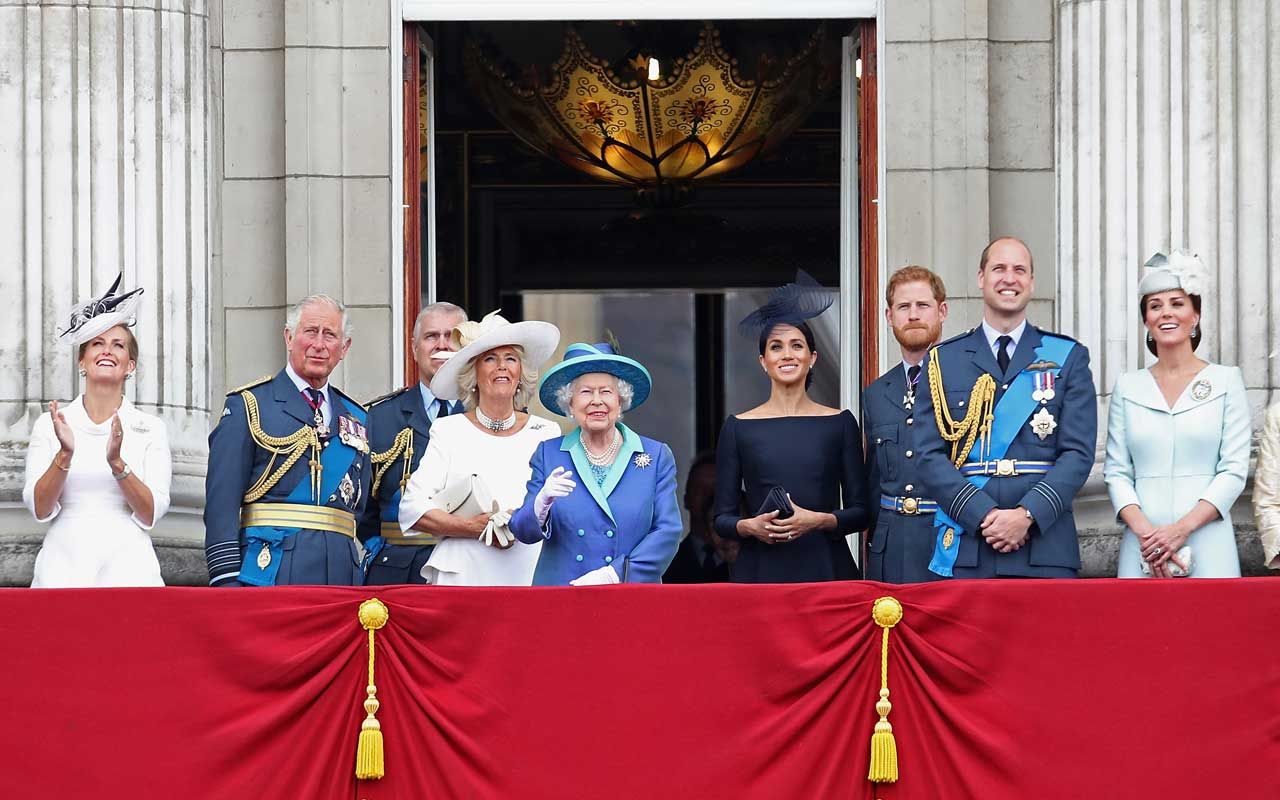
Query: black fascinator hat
point(790, 304)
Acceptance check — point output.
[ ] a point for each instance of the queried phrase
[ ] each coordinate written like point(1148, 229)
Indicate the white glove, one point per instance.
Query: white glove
point(496, 533)
point(597, 577)
point(558, 484)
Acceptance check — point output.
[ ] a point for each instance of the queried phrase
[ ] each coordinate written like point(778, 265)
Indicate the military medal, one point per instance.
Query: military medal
point(353, 434)
point(909, 399)
point(1201, 389)
point(347, 489)
point(264, 557)
point(1044, 387)
point(1043, 424)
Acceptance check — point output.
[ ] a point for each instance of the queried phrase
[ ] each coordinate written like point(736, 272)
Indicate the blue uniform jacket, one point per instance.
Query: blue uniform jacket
point(632, 523)
point(1052, 548)
point(236, 462)
point(900, 545)
point(387, 418)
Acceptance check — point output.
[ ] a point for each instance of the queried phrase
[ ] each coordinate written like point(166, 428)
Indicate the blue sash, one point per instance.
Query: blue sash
point(336, 459)
point(1011, 413)
point(374, 544)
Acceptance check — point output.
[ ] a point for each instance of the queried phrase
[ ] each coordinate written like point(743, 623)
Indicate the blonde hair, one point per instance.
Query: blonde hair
point(525, 389)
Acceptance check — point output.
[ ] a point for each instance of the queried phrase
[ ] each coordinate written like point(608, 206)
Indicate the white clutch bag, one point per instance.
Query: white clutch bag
point(1184, 555)
point(466, 495)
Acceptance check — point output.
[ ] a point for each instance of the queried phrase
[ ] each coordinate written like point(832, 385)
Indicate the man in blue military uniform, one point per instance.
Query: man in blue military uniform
point(902, 535)
point(289, 468)
point(399, 428)
point(1010, 435)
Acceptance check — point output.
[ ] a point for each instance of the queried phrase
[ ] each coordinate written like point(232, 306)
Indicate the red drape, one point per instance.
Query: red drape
point(1015, 689)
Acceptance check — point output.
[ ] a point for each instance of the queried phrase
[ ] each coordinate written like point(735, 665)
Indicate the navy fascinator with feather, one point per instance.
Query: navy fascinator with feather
point(789, 304)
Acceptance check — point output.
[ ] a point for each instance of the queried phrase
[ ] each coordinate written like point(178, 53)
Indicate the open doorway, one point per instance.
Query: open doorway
point(495, 221)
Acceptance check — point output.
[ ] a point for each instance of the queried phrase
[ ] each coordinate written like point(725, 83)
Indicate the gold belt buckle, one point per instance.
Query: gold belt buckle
point(1006, 468)
point(910, 505)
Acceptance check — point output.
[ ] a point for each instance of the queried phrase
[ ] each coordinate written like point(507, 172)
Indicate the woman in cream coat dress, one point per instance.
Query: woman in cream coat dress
point(1177, 438)
point(1266, 489)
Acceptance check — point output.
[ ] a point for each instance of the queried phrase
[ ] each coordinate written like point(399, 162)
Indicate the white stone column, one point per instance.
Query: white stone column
point(1168, 134)
point(104, 168)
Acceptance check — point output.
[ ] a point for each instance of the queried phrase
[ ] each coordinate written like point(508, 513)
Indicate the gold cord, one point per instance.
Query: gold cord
point(291, 446)
point(977, 420)
point(401, 445)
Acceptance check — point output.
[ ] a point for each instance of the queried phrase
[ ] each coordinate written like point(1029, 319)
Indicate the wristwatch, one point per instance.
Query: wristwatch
point(1024, 511)
point(122, 474)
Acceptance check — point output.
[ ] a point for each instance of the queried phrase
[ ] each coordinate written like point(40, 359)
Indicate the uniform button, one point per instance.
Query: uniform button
point(908, 454)
point(608, 559)
point(961, 402)
point(581, 532)
point(909, 420)
point(578, 557)
point(609, 534)
point(1004, 386)
point(878, 440)
point(909, 487)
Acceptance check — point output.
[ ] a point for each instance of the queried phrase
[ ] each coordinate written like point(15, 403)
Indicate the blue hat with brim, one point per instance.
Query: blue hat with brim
point(583, 359)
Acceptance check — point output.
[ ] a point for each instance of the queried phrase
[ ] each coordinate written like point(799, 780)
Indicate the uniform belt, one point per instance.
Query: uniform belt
point(391, 535)
point(1005, 468)
point(298, 515)
point(908, 505)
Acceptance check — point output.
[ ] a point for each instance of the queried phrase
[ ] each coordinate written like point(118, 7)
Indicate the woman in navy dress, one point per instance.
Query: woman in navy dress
point(813, 452)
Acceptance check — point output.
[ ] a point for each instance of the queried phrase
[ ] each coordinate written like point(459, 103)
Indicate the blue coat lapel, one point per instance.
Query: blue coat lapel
point(415, 414)
point(630, 446)
point(1025, 352)
point(982, 356)
point(572, 443)
point(290, 399)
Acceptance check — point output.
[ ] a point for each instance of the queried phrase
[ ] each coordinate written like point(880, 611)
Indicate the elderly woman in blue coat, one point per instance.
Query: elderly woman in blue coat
point(601, 498)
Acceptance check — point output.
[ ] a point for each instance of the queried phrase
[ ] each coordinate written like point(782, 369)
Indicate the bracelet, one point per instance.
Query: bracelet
point(58, 463)
point(122, 474)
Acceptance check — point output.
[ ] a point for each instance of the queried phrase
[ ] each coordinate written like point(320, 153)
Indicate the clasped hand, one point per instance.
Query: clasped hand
point(1160, 545)
point(1006, 529)
point(771, 530)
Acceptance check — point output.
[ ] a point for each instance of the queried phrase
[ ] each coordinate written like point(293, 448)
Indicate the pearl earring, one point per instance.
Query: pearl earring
point(1195, 330)
point(1150, 339)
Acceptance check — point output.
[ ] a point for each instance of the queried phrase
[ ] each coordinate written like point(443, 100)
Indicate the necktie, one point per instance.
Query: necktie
point(316, 401)
point(913, 376)
point(443, 409)
point(1002, 357)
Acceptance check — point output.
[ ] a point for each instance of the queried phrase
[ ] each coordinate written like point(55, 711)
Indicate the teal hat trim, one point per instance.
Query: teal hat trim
point(582, 359)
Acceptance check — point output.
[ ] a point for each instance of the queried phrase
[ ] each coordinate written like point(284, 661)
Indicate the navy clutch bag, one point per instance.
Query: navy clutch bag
point(776, 500)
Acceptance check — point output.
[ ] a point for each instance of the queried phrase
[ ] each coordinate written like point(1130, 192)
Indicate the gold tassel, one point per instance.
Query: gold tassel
point(369, 752)
point(886, 612)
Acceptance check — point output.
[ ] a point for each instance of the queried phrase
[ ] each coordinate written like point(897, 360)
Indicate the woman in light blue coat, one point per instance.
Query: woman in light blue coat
point(1177, 438)
point(602, 498)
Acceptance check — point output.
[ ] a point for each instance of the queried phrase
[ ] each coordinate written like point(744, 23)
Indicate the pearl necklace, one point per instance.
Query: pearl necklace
point(495, 425)
point(610, 453)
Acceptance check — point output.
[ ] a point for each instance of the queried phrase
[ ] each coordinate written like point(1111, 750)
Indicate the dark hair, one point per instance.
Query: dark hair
point(130, 342)
point(804, 329)
point(986, 251)
point(1151, 342)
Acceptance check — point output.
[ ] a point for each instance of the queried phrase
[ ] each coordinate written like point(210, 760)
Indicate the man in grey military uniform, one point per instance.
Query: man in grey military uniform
point(1006, 434)
point(902, 536)
point(399, 428)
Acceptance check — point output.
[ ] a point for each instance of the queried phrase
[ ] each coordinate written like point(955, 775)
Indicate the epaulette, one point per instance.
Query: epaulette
point(249, 385)
point(1044, 332)
point(956, 338)
point(387, 396)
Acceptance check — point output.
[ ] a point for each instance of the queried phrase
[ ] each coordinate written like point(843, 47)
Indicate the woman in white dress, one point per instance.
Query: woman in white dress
point(1177, 438)
point(99, 468)
point(494, 373)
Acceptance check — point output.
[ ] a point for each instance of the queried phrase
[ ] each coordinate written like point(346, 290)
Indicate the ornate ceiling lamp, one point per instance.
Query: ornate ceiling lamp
point(656, 132)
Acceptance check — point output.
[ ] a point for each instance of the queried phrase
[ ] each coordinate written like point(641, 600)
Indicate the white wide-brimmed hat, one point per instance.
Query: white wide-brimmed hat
point(538, 339)
point(101, 314)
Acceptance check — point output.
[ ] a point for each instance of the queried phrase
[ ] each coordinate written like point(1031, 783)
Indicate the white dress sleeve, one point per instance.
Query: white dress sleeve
point(1118, 471)
point(156, 472)
point(44, 444)
point(427, 480)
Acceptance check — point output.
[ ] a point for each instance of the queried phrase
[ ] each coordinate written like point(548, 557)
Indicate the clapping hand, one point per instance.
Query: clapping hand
point(114, 441)
point(66, 438)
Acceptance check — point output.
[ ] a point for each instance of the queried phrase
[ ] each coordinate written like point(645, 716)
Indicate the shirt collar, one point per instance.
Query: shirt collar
point(906, 369)
point(303, 385)
point(428, 399)
point(992, 334)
